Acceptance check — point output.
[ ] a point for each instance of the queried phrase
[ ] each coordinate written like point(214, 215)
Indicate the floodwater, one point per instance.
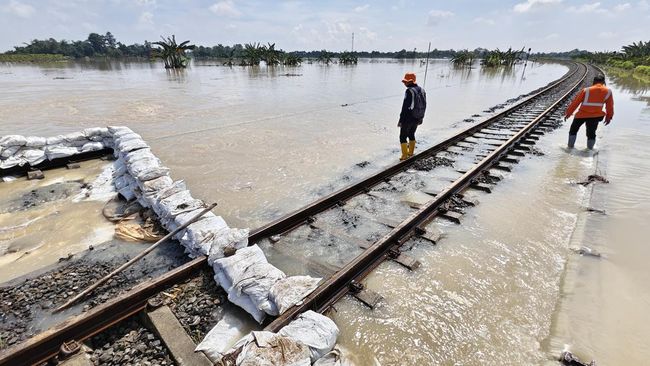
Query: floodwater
point(507, 287)
point(260, 142)
point(504, 288)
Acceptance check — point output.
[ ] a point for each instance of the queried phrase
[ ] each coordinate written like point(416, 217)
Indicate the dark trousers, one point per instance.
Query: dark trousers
point(592, 125)
point(407, 131)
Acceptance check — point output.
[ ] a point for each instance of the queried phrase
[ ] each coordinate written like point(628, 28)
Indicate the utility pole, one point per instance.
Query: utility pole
point(352, 41)
point(426, 68)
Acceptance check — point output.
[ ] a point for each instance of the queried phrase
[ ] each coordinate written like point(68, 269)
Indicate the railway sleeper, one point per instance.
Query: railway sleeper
point(509, 159)
point(452, 216)
point(365, 295)
point(500, 166)
point(484, 187)
point(526, 141)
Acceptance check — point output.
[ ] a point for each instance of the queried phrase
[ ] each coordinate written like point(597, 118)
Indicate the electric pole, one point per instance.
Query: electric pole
point(352, 41)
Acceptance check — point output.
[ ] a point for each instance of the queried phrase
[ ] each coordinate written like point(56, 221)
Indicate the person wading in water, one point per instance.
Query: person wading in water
point(413, 108)
point(591, 101)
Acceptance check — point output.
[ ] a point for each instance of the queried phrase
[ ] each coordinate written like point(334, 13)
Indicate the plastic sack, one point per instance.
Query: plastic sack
point(256, 282)
point(13, 140)
point(96, 131)
point(54, 140)
point(131, 145)
point(11, 162)
point(58, 151)
point(33, 156)
point(333, 358)
point(291, 290)
point(317, 331)
point(231, 239)
point(222, 337)
point(9, 151)
point(155, 185)
point(92, 146)
point(34, 141)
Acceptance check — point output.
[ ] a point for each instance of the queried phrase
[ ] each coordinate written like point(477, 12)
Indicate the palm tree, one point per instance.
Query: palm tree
point(292, 60)
point(252, 54)
point(463, 58)
point(348, 58)
point(325, 57)
point(270, 55)
point(173, 54)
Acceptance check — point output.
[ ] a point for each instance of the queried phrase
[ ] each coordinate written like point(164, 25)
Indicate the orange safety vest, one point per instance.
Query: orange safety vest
point(591, 101)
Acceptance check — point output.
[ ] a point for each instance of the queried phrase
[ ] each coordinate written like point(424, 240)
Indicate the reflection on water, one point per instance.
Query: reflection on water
point(279, 132)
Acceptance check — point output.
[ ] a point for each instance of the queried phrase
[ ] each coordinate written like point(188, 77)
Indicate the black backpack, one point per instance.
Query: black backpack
point(420, 105)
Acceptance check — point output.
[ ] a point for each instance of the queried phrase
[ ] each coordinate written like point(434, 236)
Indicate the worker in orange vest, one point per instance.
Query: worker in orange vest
point(591, 101)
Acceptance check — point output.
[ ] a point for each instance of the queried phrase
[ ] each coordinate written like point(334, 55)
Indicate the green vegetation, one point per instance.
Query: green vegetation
point(292, 60)
point(348, 58)
point(497, 58)
point(96, 45)
point(28, 57)
point(633, 59)
point(325, 57)
point(172, 53)
point(463, 59)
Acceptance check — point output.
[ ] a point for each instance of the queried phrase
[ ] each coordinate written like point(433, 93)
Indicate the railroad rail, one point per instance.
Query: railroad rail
point(508, 132)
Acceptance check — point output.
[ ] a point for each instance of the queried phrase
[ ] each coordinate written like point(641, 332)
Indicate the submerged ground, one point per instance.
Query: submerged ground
point(503, 288)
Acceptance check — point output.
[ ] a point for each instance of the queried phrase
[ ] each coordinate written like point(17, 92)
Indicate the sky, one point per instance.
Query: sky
point(543, 25)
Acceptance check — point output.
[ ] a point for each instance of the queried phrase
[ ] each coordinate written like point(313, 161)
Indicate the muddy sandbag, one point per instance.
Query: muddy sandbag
point(176, 204)
point(33, 156)
point(291, 290)
point(229, 240)
point(315, 330)
point(60, 151)
point(12, 140)
point(92, 146)
point(35, 141)
point(268, 349)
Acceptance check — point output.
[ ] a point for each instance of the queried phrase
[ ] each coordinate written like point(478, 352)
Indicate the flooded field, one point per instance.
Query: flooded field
point(503, 288)
point(260, 142)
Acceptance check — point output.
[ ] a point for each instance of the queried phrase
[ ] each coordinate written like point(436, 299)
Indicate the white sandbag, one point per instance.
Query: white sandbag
point(127, 193)
point(131, 145)
point(123, 138)
point(178, 186)
point(153, 173)
point(33, 156)
point(120, 168)
point(176, 204)
point(291, 290)
point(317, 331)
point(333, 358)
point(35, 141)
point(223, 336)
point(9, 151)
point(155, 185)
point(108, 142)
point(227, 239)
point(270, 349)
point(11, 162)
point(74, 137)
point(92, 146)
point(96, 131)
point(245, 302)
point(121, 182)
point(12, 140)
point(54, 140)
point(136, 155)
point(256, 282)
point(113, 130)
point(205, 229)
point(59, 151)
point(142, 165)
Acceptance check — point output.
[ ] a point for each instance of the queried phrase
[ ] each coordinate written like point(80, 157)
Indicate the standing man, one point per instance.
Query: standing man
point(591, 100)
point(413, 108)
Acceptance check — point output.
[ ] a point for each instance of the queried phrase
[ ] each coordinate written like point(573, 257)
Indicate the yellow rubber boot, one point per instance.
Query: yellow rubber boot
point(404, 152)
point(411, 148)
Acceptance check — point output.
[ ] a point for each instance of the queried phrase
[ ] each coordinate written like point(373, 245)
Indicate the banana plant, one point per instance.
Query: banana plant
point(173, 54)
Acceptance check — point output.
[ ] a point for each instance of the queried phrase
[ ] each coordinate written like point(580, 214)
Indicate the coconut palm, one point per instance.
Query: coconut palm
point(172, 53)
point(325, 57)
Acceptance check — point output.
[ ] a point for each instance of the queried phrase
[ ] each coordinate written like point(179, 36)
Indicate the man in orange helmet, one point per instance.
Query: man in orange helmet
point(591, 101)
point(413, 108)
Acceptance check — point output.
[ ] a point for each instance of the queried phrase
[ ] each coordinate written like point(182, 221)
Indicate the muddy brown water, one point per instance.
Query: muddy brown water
point(496, 291)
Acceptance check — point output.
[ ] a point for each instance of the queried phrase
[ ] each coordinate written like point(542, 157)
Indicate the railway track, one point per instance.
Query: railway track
point(345, 235)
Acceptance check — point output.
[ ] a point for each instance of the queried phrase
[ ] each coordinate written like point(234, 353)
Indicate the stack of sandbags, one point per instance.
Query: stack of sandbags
point(33, 150)
point(140, 175)
point(310, 337)
point(257, 286)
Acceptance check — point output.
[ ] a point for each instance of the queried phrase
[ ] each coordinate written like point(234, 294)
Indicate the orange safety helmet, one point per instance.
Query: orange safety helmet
point(409, 78)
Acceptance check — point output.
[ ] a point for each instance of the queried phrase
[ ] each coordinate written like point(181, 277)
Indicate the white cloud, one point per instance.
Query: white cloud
point(530, 5)
point(552, 36)
point(146, 2)
point(622, 7)
point(367, 33)
point(19, 9)
point(481, 20)
point(225, 8)
point(643, 5)
point(606, 35)
point(586, 8)
point(146, 19)
point(437, 16)
point(361, 8)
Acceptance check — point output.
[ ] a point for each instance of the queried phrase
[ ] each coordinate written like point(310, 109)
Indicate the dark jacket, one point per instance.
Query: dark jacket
point(406, 116)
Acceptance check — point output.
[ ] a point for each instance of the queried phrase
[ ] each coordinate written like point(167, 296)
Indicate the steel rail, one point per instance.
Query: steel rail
point(335, 287)
point(46, 344)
